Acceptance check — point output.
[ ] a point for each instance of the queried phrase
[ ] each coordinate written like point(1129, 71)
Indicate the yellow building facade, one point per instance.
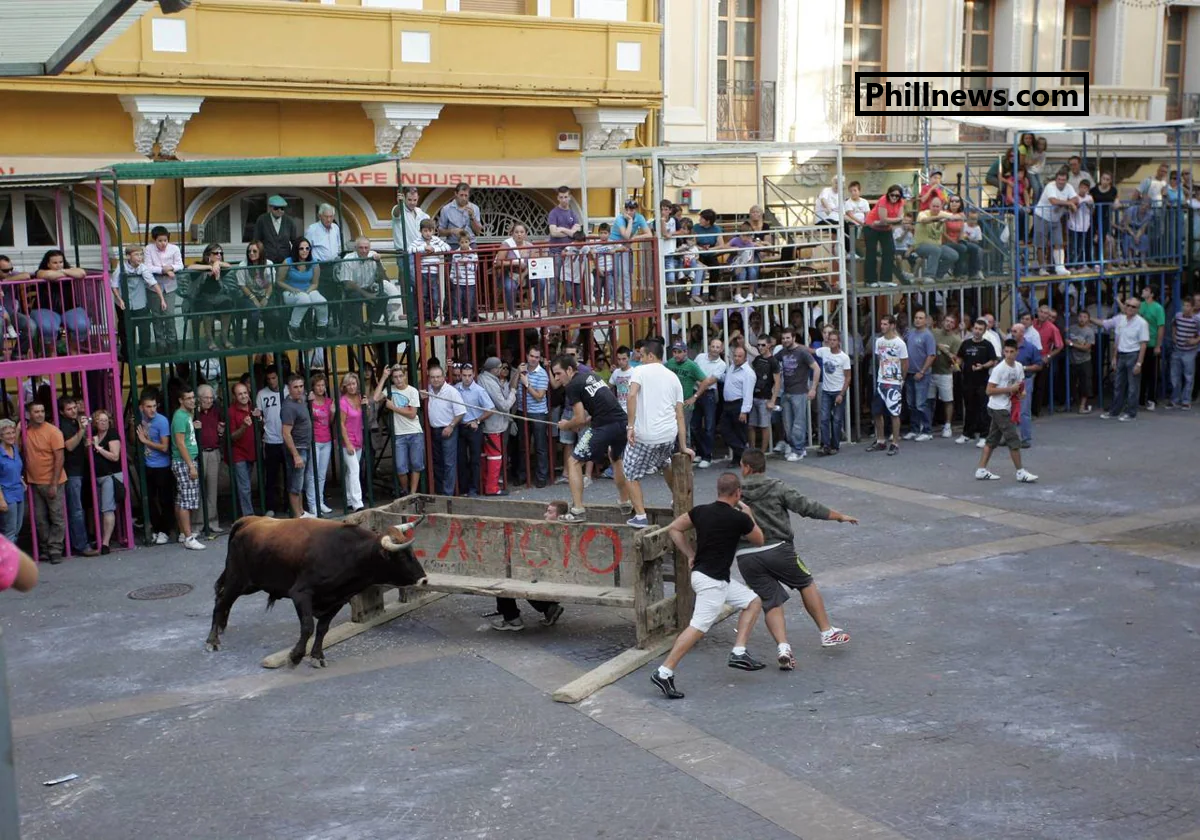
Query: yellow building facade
point(501, 94)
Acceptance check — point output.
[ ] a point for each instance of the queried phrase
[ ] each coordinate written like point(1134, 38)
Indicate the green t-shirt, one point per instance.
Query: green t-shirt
point(181, 423)
point(929, 233)
point(942, 364)
point(1153, 312)
point(689, 373)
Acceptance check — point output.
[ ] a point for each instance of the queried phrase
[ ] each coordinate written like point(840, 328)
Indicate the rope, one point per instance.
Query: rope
point(519, 417)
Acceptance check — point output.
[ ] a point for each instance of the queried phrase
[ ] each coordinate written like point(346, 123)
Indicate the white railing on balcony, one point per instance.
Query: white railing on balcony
point(1127, 103)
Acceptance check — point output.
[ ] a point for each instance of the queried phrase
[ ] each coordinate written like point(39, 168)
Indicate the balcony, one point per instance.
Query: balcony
point(263, 47)
point(745, 110)
point(1127, 103)
point(878, 127)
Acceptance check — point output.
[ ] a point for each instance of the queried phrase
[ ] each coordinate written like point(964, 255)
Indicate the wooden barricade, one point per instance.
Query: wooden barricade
point(504, 548)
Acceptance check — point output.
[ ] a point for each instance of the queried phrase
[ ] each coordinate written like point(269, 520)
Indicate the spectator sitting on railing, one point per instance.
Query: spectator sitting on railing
point(688, 256)
point(257, 283)
point(430, 265)
point(1135, 222)
point(138, 279)
point(165, 260)
point(48, 322)
point(939, 258)
point(362, 275)
point(11, 310)
point(996, 171)
point(709, 237)
point(932, 190)
point(827, 210)
point(300, 280)
point(744, 263)
point(208, 295)
point(905, 252)
point(970, 254)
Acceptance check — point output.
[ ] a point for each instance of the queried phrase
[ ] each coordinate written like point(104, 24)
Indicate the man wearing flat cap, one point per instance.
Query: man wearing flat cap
point(276, 230)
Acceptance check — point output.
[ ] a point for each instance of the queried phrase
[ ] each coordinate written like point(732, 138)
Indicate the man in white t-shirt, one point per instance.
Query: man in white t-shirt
point(835, 383)
point(827, 210)
point(656, 425)
point(621, 376)
point(891, 366)
point(1006, 380)
point(1057, 199)
point(269, 403)
point(854, 215)
point(408, 439)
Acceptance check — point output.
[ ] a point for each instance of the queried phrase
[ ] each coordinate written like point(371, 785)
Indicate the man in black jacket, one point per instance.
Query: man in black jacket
point(769, 567)
point(276, 230)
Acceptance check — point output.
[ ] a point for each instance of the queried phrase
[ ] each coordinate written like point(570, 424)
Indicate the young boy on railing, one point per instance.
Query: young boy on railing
point(429, 249)
point(606, 269)
point(576, 266)
point(464, 272)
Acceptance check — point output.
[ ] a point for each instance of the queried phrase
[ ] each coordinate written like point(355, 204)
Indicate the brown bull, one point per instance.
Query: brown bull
point(317, 563)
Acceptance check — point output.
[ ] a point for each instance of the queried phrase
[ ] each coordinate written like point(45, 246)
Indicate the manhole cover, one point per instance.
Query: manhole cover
point(160, 591)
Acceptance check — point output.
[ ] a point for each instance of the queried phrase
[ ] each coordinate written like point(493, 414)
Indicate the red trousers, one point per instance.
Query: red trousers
point(493, 463)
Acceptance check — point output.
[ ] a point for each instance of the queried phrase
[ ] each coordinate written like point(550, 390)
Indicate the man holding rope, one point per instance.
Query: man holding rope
point(589, 396)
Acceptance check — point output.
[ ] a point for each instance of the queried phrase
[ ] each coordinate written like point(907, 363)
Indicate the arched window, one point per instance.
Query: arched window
point(499, 210)
point(28, 220)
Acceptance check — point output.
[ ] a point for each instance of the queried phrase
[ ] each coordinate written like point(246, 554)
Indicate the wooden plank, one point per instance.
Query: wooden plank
point(485, 546)
point(367, 603)
point(622, 664)
point(681, 502)
point(350, 629)
point(601, 596)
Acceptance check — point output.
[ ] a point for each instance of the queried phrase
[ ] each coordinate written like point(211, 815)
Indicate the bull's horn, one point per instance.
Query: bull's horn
point(408, 527)
point(390, 544)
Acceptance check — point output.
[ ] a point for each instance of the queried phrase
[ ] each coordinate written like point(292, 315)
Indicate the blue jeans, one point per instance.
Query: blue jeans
point(462, 304)
point(445, 460)
point(1026, 425)
point(13, 519)
point(704, 424)
point(795, 420)
point(76, 524)
point(432, 282)
point(241, 478)
point(545, 294)
point(916, 394)
point(512, 288)
point(1126, 386)
point(833, 418)
point(1183, 373)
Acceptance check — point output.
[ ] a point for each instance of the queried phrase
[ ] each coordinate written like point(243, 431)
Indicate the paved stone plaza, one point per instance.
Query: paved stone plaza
point(1024, 664)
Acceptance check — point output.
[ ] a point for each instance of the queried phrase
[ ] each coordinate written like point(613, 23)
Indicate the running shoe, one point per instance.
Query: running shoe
point(834, 636)
point(574, 515)
point(667, 686)
point(893, 449)
point(787, 660)
point(877, 446)
point(513, 624)
point(638, 522)
point(984, 474)
point(744, 662)
point(552, 615)
point(1026, 477)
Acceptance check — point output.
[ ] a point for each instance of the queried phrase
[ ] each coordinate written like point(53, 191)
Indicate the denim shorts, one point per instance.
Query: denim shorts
point(409, 452)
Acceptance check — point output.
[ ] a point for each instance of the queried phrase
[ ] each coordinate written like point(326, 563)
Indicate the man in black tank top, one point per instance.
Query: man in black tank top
point(719, 527)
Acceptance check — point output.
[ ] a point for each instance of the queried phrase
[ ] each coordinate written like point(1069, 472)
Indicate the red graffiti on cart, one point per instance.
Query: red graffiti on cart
point(465, 543)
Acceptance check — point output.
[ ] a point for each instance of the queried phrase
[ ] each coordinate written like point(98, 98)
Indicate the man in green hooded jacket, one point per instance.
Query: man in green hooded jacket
point(768, 568)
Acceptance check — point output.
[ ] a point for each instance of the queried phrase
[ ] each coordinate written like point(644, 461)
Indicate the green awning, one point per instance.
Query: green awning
point(240, 167)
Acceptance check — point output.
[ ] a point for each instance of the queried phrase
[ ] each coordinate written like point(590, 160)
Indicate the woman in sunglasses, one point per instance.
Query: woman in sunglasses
point(885, 216)
point(209, 299)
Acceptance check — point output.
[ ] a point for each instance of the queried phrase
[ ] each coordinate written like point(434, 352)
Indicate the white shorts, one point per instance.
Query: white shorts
point(712, 594)
point(943, 386)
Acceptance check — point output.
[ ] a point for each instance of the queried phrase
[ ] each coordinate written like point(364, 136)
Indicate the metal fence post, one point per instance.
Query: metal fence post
point(10, 821)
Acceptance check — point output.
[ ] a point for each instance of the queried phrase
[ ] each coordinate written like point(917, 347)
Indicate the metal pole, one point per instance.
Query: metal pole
point(10, 821)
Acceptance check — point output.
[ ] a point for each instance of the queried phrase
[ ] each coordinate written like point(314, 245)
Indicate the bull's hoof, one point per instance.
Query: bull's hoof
point(313, 662)
point(211, 646)
point(294, 660)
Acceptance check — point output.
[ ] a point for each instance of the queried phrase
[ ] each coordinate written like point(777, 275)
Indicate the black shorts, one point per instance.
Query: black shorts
point(596, 444)
point(768, 571)
point(1081, 378)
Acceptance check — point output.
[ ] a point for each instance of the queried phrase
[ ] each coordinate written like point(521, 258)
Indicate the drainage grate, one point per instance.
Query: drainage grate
point(160, 591)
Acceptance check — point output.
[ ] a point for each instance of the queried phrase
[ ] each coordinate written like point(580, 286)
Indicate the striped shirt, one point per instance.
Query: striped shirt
point(539, 379)
point(1187, 328)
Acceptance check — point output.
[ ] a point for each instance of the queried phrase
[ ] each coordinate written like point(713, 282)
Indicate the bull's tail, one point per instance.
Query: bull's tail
point(220, 584)
point(271, 599)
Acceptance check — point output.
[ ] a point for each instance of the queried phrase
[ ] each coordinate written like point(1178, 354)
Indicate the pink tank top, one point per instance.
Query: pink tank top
point(322, 410)
point(353, 418)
